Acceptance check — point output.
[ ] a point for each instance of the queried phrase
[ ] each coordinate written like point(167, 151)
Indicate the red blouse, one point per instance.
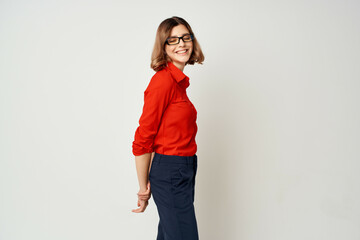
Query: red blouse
point(168, 121)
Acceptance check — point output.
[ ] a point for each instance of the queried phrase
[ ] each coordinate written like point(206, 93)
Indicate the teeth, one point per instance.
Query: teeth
point(182, 51)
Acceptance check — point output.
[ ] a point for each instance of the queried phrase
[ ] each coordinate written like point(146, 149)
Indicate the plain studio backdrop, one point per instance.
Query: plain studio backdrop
point(278, 118)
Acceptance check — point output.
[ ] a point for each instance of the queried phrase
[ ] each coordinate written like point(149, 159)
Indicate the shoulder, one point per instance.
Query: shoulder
point(161, 80)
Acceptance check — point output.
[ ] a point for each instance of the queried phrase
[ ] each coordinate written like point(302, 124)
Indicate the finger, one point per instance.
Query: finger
point(144, 193)
point(136, 210)
point(144, 205)
point(141, 208)
point(144, 198)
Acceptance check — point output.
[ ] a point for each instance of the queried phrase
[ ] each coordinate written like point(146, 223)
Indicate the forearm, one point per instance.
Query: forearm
point(142, 168)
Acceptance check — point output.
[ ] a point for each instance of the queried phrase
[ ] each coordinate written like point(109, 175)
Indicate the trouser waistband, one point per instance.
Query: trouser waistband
point(175, 159)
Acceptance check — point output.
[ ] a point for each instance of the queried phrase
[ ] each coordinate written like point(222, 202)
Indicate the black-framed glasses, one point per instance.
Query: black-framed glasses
point(176, 40)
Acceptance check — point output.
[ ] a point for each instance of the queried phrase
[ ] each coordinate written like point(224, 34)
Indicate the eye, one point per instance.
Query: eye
point(172, 40)
point(187, 37)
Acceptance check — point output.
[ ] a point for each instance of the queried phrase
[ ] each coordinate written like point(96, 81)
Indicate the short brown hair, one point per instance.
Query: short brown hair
point(159, 58)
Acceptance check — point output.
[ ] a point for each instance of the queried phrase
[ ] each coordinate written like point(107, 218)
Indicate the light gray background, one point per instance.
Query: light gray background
point(278, 117)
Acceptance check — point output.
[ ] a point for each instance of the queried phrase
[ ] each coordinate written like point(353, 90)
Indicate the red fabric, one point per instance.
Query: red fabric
point(168, 121)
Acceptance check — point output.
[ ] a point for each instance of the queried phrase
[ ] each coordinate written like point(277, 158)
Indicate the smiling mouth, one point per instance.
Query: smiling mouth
point(182, 51)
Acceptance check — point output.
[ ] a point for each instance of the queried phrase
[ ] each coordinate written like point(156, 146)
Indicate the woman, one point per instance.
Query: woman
point(165, 138)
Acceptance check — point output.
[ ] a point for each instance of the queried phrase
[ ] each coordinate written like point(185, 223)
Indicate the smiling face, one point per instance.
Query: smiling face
point(179, 53)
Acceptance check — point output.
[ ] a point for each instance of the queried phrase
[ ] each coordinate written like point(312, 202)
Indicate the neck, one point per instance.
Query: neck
point(179, 66)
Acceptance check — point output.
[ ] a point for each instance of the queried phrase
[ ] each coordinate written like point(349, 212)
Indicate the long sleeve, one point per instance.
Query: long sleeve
point(157, 96)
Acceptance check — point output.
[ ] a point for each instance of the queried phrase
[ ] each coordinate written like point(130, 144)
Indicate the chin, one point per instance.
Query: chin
point(182, 61)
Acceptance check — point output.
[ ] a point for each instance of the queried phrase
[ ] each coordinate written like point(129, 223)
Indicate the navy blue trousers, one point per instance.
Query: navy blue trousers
point(172, 181)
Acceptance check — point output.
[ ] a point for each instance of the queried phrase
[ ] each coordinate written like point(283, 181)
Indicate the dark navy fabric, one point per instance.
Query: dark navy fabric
point(172, 180)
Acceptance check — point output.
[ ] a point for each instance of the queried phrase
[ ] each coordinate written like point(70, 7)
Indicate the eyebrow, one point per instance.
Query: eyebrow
point(182, 35)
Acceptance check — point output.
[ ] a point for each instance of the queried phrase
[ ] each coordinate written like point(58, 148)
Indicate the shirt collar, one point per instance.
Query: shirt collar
point(177, 74)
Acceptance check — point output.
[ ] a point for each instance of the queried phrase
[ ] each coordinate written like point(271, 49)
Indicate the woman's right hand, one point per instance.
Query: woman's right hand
point(142, 206)
point(145, 195)
point(143, 200)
